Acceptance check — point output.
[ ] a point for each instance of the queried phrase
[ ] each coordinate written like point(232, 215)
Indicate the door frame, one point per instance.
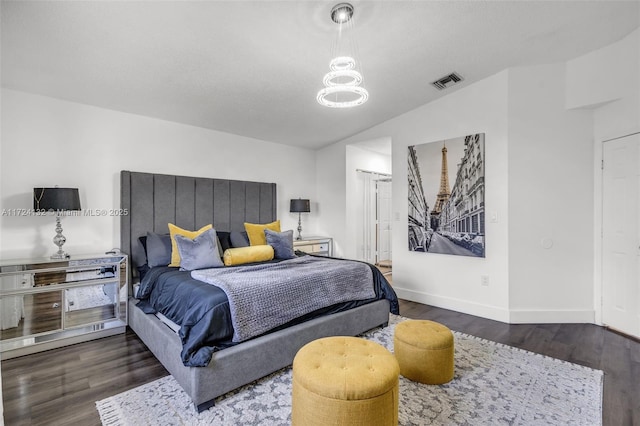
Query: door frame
point(389, 180)
point(598, 222)
point(370, 222)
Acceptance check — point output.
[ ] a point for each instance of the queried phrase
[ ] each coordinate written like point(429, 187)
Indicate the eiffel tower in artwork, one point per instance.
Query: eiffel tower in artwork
point(445, 191)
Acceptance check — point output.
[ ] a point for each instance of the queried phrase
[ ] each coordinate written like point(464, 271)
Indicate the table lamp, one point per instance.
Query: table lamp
point(299, 206)
point(59, 200)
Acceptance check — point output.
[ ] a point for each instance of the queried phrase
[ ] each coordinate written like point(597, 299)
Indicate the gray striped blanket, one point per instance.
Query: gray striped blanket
point(262, 297)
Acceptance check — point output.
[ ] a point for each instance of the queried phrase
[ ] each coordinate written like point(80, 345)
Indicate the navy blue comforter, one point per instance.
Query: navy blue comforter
point(202, 310)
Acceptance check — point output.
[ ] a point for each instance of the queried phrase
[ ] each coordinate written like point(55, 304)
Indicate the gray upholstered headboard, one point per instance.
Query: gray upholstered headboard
point(153, 200)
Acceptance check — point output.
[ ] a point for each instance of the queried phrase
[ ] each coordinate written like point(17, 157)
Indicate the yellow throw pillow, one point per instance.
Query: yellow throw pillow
point(255, 232)
point(242, 255)
point(176, 230)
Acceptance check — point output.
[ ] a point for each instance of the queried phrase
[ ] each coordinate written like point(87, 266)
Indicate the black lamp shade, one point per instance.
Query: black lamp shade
point(57, 199)
point(300, 206)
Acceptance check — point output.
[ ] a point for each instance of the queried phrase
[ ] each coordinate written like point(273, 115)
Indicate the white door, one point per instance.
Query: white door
point(365, 209)
point(384, 221)
point(621, 234)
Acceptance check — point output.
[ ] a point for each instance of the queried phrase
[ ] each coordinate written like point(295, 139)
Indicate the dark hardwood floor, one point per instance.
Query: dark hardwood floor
point(60, 386)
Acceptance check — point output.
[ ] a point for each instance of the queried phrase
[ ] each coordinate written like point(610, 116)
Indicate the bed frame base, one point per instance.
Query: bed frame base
point(205, 405)
point(242, 364)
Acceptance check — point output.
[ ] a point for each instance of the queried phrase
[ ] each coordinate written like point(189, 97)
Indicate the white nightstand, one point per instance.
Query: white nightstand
point(315, 245)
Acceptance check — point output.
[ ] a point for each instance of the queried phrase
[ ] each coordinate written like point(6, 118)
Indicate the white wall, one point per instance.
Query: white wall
point(542, 183)
point(616, 112)
point(607, 81)
point(440, 280)
point(48, 142)
point(550, 200)
point(1, 238)
point(331, 195)
point(358, 159)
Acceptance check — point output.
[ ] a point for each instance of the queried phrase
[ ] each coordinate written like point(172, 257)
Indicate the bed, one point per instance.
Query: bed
point(153, 200)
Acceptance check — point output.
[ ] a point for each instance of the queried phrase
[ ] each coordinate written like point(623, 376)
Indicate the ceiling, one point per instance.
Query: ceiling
point(253, 68)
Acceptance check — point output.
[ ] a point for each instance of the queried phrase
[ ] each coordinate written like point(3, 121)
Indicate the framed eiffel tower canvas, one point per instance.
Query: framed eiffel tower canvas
point(446, 196)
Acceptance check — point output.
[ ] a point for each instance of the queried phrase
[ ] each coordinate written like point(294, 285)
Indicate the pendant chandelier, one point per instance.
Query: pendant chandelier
point(343, 83)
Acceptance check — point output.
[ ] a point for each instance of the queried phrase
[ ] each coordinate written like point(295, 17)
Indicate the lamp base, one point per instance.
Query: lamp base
point(299, 237)
point(59, 240)
point(59, 255)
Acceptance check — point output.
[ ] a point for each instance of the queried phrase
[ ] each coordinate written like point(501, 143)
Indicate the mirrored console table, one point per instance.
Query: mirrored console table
point(47, 303)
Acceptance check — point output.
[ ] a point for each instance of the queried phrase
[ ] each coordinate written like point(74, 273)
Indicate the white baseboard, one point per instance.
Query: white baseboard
point(497, 313)
point(552, 316)
point(458, 305)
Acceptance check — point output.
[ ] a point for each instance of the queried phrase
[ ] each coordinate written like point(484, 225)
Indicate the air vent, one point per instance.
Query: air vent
point(447, 81)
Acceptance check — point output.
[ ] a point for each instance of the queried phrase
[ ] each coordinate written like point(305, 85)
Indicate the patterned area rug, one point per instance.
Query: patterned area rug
point(493, 384)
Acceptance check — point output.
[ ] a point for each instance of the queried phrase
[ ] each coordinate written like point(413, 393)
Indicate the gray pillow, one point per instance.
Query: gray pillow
point(199, 253)
point(282, 243)
point(158, 249)
point(239, 239)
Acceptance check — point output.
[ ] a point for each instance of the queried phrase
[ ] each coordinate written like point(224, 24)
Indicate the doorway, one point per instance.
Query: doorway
point(375, 230)
point(383, 225)
point(621, 234)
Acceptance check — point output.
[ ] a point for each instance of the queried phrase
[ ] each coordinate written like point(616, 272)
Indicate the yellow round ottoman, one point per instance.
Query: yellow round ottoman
point(424, 350)
point(344, 381)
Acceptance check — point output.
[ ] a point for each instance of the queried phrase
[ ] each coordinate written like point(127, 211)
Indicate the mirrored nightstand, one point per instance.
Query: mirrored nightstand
point(315, 245)
point(47, 303)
